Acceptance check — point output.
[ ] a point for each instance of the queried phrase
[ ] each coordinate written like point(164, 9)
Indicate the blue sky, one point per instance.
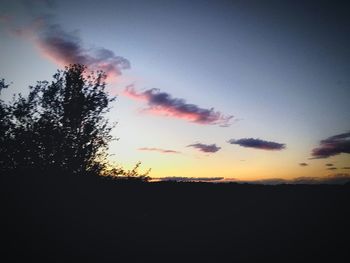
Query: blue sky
point(281, 68)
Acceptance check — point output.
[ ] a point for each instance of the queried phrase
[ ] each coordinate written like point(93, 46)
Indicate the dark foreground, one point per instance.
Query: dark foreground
point(68, 219)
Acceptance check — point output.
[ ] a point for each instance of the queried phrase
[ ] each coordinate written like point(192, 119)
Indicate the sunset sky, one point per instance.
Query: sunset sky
point(243, 90)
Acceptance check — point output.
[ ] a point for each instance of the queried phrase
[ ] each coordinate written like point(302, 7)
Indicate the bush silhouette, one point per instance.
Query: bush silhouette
point(59, 126)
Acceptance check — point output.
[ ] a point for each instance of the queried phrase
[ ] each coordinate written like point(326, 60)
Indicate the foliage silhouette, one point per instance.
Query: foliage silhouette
point(5, 127)
point(60, 126)
point(91, 219)
point(119, 173)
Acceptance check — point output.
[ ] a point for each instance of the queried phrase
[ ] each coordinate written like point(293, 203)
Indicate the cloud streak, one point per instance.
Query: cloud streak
point(332, 146)
point(206, 148)
point(329, 179)
point(162, 103)
point(187, 179)
point(258, 144)
point(303, 164)
point(158, 150)
point(339, 179)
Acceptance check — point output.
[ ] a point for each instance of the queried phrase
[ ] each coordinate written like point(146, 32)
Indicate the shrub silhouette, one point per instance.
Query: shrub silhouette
point(119, 173)
point(59, 126)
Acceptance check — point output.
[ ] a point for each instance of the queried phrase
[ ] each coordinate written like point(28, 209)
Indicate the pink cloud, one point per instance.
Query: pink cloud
point(158, 150)
point(64, 48)
point(162, 103)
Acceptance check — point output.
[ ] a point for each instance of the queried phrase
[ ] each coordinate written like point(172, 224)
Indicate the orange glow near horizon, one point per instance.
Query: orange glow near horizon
point(193, 164)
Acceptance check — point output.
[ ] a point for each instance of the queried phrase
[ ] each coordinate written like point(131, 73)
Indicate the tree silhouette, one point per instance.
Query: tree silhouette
point(5, 127)
point(116, 172)
point(59, 126)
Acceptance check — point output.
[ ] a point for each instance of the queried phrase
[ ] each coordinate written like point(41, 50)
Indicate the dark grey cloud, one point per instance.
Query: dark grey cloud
point(157, 150)
point(270, 181)
point(332, 168)
point(207, 148)
point(330, 179)
point(162, 103)
point(188, 179)
point(346, 168)
point(258, 144)
point(303, 164)
point(66, 48)
point(340, 178)
point(333, 145)
point(329, 164)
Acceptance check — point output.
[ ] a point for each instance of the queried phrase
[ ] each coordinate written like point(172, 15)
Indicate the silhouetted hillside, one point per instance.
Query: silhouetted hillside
point(65, 218)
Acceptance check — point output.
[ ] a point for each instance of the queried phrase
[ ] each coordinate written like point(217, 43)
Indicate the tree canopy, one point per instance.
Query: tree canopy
point(61, 125)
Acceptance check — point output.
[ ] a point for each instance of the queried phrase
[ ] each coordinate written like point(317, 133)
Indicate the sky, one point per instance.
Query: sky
point(239, 90)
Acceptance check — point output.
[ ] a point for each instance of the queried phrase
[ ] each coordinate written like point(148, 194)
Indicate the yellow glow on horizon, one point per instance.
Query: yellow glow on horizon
point(222, 165)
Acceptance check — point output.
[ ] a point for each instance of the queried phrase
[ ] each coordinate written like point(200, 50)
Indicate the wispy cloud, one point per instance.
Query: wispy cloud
point(332, 168)
point(207, 148)
point(329, 179)
point(340, 178)
point(188, 179)
point(346, 168)
point(258, 144)
point(158, 150)
point(66, 47)
point(162, 103)
point(303, 164)
point(333, 145)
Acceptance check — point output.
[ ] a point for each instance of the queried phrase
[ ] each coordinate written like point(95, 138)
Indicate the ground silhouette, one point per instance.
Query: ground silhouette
point(70, 218)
